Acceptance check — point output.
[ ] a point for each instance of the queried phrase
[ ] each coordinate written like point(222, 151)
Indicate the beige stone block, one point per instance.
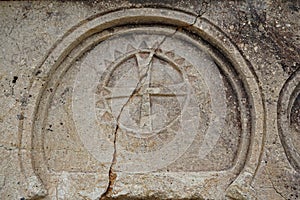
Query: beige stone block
point(149, 100)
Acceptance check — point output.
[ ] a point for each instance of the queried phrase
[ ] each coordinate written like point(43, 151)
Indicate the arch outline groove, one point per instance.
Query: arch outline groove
point(202, 27)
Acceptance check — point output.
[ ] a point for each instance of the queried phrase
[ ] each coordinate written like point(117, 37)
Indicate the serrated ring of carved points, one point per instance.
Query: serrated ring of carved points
point(150, 112)
point(152, 97)
point(147, 97)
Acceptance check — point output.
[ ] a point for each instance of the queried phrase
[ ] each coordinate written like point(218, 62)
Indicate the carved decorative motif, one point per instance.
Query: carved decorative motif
point(145, 98)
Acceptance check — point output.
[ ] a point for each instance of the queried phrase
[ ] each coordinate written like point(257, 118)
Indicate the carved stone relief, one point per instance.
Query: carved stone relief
point(150, 102)
point(144, 102)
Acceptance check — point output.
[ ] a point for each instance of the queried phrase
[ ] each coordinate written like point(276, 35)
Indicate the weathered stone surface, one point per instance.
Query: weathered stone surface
point(150, 100)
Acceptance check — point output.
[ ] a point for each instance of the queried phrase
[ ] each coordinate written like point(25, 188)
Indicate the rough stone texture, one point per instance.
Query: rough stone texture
point(150, 99)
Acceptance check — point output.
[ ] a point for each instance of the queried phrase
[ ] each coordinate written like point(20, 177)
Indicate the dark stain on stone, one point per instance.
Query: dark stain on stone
point(14, 79)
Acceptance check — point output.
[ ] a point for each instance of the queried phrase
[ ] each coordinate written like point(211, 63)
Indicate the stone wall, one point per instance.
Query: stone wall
point(150, 99)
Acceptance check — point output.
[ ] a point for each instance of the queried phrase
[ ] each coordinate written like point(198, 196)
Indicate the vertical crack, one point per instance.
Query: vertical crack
point(204, 7)
point(273, 186)
point(111, 173)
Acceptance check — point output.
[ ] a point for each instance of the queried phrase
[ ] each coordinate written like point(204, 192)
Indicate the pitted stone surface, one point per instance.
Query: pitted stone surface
point(149, 100)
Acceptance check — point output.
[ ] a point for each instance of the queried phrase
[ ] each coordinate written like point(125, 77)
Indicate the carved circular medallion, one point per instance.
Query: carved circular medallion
point(147, 97)
point(143, 99)
point(289, 119)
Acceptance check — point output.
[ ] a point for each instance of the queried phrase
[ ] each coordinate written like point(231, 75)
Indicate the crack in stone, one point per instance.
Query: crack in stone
point(112, 174)
point(8, 148)
point(202, 11)
point(279, 193)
